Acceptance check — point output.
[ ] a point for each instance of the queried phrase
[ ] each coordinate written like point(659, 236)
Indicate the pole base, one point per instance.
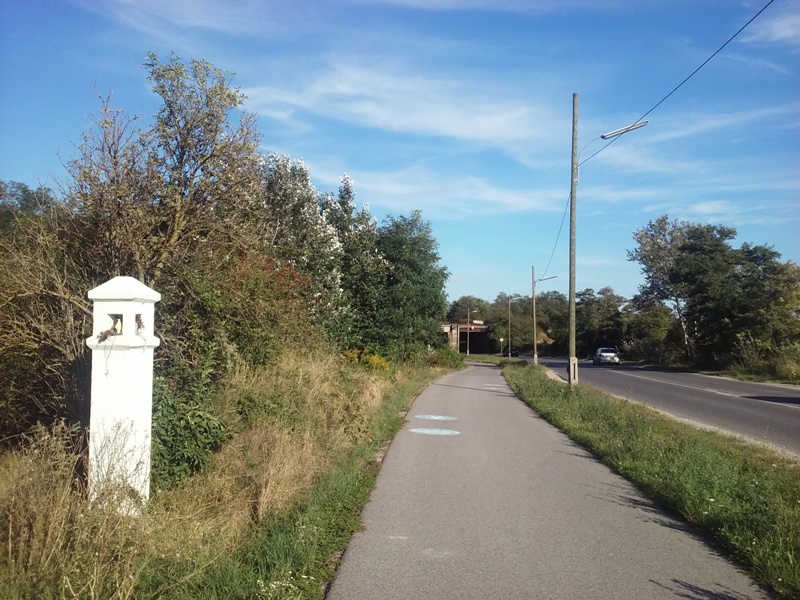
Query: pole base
point(572, 371)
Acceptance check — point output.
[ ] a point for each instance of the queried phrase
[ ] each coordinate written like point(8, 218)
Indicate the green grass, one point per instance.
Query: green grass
point(747, 497)
point(494, 359)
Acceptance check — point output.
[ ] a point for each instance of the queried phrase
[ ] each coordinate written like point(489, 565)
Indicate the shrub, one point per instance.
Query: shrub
point(185, 431)
point(365, 358)
point(446, 357)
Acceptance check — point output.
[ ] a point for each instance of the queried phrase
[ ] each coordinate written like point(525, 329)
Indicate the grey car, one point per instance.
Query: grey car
point(606, 356)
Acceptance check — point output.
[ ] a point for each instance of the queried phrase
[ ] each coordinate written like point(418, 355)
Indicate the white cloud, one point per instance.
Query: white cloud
point(159, 17)
point(449, 197)
point(395, 98)
point(516, 6)
point(781, 26)
point(688, 125)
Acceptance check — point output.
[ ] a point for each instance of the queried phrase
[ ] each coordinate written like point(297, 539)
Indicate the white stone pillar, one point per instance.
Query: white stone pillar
point(120, 420)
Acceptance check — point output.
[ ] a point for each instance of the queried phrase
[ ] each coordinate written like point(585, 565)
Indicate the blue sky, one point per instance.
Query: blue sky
point(459, 108)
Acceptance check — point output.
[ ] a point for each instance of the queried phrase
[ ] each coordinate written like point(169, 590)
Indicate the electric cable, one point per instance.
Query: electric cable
point(680, 85)
point(659, 103)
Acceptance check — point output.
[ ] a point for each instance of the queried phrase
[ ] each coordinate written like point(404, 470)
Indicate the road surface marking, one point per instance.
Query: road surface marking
point(436, 417)
point(683, 385)
point(433, 431)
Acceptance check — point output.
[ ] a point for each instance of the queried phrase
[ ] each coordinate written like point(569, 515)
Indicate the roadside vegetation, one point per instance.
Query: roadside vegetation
point(295, 331)
point(704, 305)
point(267, 517)
point(745, 496)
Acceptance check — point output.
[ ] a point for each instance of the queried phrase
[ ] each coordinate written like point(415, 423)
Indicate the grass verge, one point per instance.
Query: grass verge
point(745, 496)
point(294, 554)
point(267, 519)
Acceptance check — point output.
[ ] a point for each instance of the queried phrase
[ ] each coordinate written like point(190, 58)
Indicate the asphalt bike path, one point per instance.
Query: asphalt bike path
point(479, 498)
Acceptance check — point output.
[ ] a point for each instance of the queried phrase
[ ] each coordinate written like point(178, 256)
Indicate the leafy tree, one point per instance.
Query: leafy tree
point(647, 328)
point(152, 199)
point(732, 305)
point(44, 319)
point(19, 200)
point(478, 309)
point(705, 269)
point(414, 301)
point(658, 248)
point(598, 319)
point(736, 295)
point(293, 223)
point(552, 316)
point(363, 269)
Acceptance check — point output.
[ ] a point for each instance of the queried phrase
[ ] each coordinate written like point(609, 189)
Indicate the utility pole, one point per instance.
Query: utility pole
point(572, 375)
point(533, 298)
point(469, 326)
point(533, 294)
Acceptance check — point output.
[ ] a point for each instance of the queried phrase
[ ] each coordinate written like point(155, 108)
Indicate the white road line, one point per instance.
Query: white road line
point(683, 385)
point(700, 389)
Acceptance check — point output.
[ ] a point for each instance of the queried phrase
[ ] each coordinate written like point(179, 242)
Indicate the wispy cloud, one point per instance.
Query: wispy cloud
point(759, 63)
point(450, 198)
point(158, 17)
point(780, 26)
point(516, 6)
point(392, 97)
point(695, 124)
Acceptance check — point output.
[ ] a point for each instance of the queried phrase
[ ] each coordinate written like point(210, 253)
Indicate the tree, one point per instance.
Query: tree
point(552, 316)
point(152, 199)
point(363, 269)
point(732, 305)
point(598, 319)
point(44, 319)
point(18, 200)
point(162, 203)
point(737, 298)
point(659, 246)
point(292, 224)
point(478, 309)
point(414, 301)
point(647, 327)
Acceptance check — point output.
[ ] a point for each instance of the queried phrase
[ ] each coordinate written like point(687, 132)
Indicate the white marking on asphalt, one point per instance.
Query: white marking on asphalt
point(683, 385)
point(434, 431)
point(436, 417)
point(701, 389)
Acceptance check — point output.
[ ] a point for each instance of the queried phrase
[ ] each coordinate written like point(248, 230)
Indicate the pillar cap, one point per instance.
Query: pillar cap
point(124, 288)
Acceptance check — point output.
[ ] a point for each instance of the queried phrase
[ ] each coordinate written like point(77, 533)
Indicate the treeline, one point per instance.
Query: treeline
point(704, 303)
point(251, 261)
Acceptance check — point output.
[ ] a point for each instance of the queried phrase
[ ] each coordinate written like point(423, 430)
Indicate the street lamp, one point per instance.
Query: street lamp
point(510, 300)
point(572, 369)
point(533, 295)
point(469, 326)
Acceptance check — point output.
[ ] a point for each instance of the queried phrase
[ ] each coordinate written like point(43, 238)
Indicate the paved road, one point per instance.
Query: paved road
point(509, 508)
point(764, 412)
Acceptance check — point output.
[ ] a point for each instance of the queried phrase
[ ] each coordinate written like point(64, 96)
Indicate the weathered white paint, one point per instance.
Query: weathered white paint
point(120, 420)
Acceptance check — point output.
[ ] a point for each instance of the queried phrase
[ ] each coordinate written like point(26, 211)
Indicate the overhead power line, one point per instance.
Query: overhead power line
point(692, 74)
point(655, 106)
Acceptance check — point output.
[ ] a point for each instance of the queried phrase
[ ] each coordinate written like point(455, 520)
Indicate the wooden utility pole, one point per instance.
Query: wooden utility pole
point(573, 197)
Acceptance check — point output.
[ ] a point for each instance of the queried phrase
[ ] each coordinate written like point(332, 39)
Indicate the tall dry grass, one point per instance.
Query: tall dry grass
point(293, 418)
